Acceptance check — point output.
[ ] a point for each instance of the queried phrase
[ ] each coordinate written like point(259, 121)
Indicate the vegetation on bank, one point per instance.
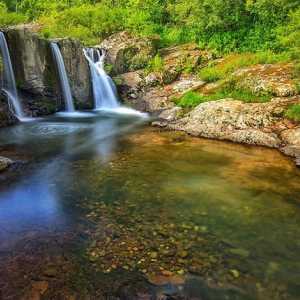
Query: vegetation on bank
point(224, 25)
point(293, 112)
point(192, 98)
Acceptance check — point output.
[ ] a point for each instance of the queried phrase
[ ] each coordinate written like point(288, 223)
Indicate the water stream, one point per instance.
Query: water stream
point(105, 203)
point(8, 80)
point(104, 90)
point(63, 77)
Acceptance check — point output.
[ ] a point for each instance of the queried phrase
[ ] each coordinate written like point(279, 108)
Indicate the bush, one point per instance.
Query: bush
point(293, 112)
point(156, 64)
point(9, 18)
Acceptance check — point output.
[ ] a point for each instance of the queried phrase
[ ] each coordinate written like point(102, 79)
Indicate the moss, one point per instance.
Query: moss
point(293, 112)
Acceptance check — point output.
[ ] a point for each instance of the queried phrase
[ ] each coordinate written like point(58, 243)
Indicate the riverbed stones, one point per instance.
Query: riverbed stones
point(5, 163)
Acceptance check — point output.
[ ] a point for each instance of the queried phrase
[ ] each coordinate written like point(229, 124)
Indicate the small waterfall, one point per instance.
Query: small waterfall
point(104, 90)
point(8, 80)
point(64, 82)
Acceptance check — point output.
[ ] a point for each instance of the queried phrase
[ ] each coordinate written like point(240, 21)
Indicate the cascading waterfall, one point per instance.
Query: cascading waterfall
point(104, 90)
point(8, 80)
point(64, 81)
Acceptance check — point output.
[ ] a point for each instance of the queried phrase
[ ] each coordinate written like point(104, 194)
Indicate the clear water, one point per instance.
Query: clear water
point(8, 79)
point(105, 204)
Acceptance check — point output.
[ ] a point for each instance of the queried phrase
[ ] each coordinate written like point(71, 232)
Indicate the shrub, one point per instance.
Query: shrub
point(293, 112)
point(156, 64)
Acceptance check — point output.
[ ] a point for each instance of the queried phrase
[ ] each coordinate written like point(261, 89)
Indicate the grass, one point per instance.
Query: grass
point(192, 99)
point(235, 61)
point(293, 112)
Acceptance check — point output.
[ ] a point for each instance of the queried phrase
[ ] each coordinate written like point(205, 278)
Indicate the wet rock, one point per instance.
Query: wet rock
point(78, 72)
point(5, 163)
point(6, 116)
point(128, 53)
point(36, 73)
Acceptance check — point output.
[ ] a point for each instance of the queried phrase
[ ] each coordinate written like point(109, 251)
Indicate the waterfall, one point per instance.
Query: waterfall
point(64, 82)
point(8, 80)
point(104, 90)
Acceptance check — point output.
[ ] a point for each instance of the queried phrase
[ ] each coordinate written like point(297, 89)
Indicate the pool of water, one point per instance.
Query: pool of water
point(105, 207)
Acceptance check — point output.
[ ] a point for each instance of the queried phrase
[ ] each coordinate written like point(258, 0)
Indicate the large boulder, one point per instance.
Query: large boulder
point(229, 119)
point(36, 72)
point(128, 53)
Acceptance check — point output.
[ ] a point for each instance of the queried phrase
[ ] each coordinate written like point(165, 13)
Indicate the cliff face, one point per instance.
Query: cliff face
point(36, 73)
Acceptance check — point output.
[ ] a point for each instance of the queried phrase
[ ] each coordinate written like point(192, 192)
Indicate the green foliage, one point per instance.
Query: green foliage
point(289, 35)
point(9, 18)
point(224, 25)
point(156, 64)
point(236, 61)
point(293, 112)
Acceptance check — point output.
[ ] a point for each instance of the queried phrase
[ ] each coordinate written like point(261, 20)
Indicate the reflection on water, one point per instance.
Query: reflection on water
point(101, 202)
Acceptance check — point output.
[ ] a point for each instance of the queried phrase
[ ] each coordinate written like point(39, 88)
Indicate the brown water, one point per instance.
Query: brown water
point(106, 210)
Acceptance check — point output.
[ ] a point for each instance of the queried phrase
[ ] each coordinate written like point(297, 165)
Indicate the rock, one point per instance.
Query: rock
point(127, 52)
point(275, 79)
point(36, 73)
point(155, 99)
point(6, 116)
point(78, 72)
point(179, 58)
point(233, 120)
point(5, 163)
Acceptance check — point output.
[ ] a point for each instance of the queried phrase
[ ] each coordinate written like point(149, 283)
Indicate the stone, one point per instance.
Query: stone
point(5, 163)
point(276, 79)
point(128, 53)
point(36, 72)
point(233, 120)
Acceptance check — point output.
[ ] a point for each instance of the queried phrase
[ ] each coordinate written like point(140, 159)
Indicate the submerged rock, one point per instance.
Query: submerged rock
point(5, 163)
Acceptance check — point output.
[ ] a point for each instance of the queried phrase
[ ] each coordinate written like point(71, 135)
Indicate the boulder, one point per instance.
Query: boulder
point(276, 79)
point(229, 119)
point(5, 163)
point(128, 53)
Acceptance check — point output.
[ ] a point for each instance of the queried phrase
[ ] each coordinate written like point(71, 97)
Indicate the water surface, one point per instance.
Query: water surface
point(104, 206)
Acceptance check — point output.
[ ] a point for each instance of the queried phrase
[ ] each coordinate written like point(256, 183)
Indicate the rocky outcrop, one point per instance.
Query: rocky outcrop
point(128, 53)
point(177, 60)
point(36, 74)
point(135, 90)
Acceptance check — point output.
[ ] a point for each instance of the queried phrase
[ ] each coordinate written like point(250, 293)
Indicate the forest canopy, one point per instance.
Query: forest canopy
point(224, 25)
